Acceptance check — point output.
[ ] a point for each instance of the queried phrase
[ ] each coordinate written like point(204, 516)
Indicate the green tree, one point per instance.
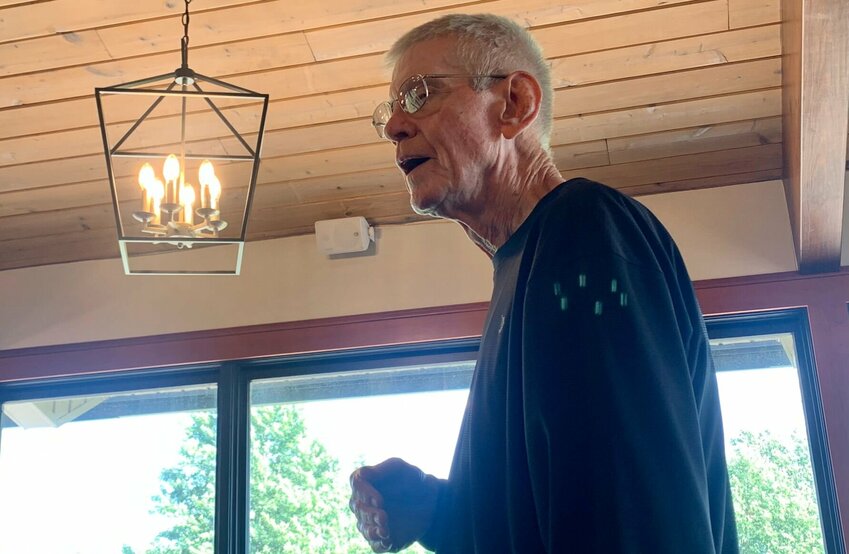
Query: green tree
point(298, 499)
point(187, 493)
point(774, 496)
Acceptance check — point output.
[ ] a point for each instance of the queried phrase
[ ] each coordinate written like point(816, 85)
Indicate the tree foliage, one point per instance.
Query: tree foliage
point(187, 493)
point(298, 500)
point(774, 496)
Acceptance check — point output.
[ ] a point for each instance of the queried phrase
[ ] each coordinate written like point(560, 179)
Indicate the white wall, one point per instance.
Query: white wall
point(729, 231)
point(734, 231)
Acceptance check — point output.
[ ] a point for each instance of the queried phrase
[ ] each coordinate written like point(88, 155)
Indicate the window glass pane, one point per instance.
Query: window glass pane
point(769, 459)
point(309, 433)
point(127, 473)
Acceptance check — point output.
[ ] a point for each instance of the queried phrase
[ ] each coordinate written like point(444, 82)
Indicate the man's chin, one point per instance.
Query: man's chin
point(431, 211)
point(425, 198)
point(423, 204)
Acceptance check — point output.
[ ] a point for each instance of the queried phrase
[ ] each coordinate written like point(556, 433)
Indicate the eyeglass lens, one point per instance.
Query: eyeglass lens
point(413, 94)
point(380, 117)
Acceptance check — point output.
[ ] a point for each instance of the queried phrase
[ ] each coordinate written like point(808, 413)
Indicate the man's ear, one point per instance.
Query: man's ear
point(522, 100)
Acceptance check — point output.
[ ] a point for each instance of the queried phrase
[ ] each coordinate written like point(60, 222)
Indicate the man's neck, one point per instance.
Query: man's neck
point(509, 203)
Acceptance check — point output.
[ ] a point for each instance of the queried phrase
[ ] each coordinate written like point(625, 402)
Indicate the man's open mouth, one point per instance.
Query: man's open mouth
point(409, 164)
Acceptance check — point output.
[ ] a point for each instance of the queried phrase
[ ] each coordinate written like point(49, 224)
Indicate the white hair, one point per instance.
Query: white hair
point(488, 45)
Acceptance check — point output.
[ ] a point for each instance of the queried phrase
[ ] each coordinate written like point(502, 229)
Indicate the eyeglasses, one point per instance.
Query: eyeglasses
point(412, 95)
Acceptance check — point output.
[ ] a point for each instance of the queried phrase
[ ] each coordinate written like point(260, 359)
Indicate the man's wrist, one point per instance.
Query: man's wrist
point(432, 537)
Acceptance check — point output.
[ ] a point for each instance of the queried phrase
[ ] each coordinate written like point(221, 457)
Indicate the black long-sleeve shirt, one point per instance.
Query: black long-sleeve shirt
point(593, 421)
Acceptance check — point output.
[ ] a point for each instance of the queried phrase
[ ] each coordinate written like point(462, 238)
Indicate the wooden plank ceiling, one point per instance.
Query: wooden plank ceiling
point(651, 96)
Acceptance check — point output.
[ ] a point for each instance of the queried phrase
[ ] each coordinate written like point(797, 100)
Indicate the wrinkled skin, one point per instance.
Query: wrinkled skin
point(394, 503)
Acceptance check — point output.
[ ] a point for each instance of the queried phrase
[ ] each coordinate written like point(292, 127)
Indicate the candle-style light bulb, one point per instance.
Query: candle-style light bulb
point(206, 173)
point(156, 190)
point(146, 178)
point(146, 175)
point(171, 171)
point(187, 199)
point(214, 192)
point(171, 168)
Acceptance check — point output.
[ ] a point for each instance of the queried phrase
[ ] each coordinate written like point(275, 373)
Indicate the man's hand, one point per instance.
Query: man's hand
point(394, 503)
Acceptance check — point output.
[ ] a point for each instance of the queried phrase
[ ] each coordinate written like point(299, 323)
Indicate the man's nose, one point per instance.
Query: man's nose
point(399, 126)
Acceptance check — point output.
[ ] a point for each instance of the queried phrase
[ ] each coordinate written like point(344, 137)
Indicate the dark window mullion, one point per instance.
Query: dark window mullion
point(231, 495)
point(818, 436)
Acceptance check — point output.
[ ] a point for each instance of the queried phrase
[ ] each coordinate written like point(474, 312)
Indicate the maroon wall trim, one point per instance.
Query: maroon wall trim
point(237, 343)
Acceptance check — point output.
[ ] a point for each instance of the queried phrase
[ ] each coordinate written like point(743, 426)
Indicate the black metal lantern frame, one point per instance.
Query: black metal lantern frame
point(170, 228)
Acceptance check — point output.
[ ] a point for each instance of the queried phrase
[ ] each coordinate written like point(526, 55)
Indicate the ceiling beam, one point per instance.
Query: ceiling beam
point(815, 43)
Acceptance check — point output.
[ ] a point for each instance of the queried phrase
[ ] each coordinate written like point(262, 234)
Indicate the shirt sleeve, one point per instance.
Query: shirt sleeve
point(611, 422)
point(434, 537)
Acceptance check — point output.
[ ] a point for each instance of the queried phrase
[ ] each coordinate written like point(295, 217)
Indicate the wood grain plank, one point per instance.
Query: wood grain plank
point(79, 169)
point(215, 61)
point(52, 172)
point(47, 199)
point(706, 138)
point(748, 13)
point(287, 142)
point(257, 19)
point(816, 81)
point(665, 117)
point(317, 164)
point(363, 183)
point(89, 245)
point(51, 53)
point(267, 220)
point(667, 56)
point(669, 87)
point(36, 19)
point(584, 154)
point(560, 40)
point(58, 50)
point(57, 223)
point(712, 181)
point(653, 174)
point(17, 121)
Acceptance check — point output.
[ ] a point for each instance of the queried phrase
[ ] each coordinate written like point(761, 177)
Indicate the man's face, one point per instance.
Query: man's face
point(447, 146)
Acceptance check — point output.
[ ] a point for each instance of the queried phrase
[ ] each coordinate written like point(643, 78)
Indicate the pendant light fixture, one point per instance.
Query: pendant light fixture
point(182, 173)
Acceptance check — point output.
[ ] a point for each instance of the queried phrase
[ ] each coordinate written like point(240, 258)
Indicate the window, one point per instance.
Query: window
point(308, 433)
point(777, 457)
point(108, 473)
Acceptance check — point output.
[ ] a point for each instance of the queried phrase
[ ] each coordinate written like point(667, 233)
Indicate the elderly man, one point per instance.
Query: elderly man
point(593, 421)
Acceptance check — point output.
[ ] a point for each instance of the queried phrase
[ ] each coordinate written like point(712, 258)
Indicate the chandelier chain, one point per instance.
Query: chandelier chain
point(184, 42)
